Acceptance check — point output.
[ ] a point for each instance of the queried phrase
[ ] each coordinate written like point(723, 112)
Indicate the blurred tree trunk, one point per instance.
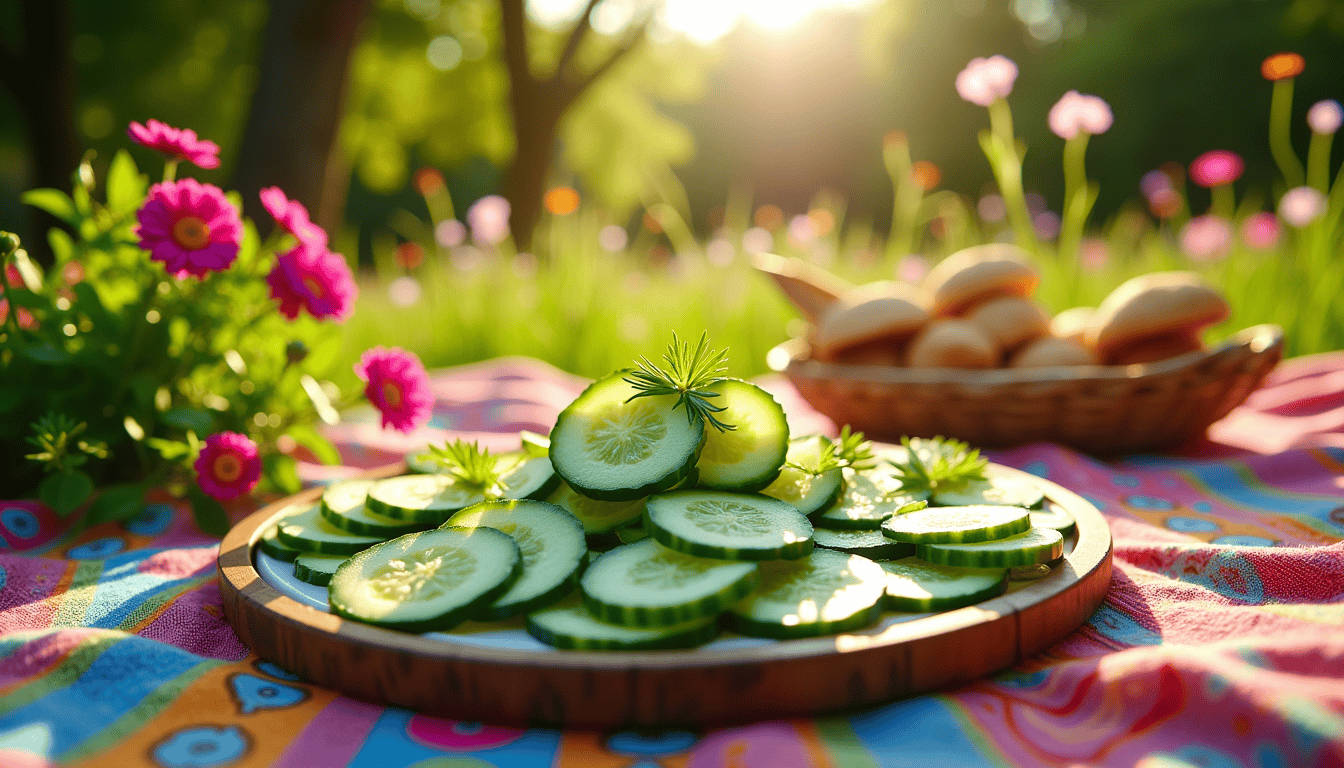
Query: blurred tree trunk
point(291, 139)
point(42, 79)
point(539, 104)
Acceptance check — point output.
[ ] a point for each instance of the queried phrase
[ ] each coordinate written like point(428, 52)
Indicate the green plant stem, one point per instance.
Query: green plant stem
point(906, 199)
point(1007, 167)
point(1318, 161)
point(170, 170)
point(1077, 204)
point(1224, 202)
point(1280, 141)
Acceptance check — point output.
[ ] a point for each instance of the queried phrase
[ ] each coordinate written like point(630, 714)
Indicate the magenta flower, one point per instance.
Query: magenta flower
point(313, 278)
point(190, 227)
point(228, 466)
point(1076, 113)
point(1300, 206)
point(984, 81)
point(177, 143)
point(1325, 116)
point(1216, 168)
point(1261, 231)
point(397, 386)
point(292, 217)
point(489, 220)
point(1206, 237)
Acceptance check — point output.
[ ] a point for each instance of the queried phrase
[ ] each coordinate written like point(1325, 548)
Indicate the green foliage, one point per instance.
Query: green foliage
point(687, 374)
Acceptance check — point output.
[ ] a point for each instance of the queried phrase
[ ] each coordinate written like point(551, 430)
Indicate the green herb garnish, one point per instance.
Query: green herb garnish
point(939, 463)
point(471, 465)
point(689, 371)
point(848, 450)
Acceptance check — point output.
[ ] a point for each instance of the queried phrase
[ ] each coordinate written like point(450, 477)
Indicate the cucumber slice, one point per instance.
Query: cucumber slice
point(552, 545)
point(646, 584)
point(597, 516)
point(915, 586)
point(343, 507)
point(425, 581)
point(954, 525)
point(570, 625)
point(610, 447)
point(422, 463)
point(869, 498)
point(728, 526)
point(807, 492)
point(871, 544)
point(632, 534)
point(432, 499)
point(306, 531)
point(826, 593)
point(270, 544)
point(748, 457)
point(317, 569)
point(1005, 491)
point(1038, 545)
point(535, 445)
point(1053, 516)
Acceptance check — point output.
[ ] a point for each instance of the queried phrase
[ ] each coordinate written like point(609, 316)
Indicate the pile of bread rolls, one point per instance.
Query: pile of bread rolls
point(975, 310)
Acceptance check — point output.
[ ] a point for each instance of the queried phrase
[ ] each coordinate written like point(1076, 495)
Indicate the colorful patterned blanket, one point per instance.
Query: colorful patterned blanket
point(1220, 642)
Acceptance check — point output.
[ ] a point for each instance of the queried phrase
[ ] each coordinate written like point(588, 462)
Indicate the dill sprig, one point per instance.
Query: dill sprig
point(937, 464)
point(688, 372)
point(848, 450)
point(471, 465)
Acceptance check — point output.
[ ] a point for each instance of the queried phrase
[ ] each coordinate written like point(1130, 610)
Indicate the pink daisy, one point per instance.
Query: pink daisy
point(292, 217)
point(397, 386)
point(176, 143)
point(190, 227)
point(1206, 237)
point(228, 466)
point(1077, 113)
point(1260, 231)
point(313, 278)
point(984, 81)
point(489, 220)
point(1216, 167)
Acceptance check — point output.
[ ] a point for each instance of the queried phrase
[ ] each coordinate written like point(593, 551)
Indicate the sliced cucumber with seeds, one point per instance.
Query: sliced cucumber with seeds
point(308, 532)
point(826, 593)
point(1006, 491)
point(728, 526)
point(871, 544)
point(809, 493)
point(570, 625)
point(432, 499)
point(426, 581)
point(552, 545)
point(1053, 516)
point(343, 507)
point(597, 516)
point(646, 584)
point(956, 525)
point(608, 446)
point(916, 586)
point(749, 456)
point(270, 544)
point(1038, 545)
point(317, 569)
point(869, 497)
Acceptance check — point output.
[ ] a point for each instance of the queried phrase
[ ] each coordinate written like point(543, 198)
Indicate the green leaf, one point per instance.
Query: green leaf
point(190, 419)
point(170, 450)
point(61, 244)
point(125, 184)
point(55, 202)
point(320, 446)
point(209, 514)
point(120, 502)
point(283, 472)
point(47, 354)
point(65, 492)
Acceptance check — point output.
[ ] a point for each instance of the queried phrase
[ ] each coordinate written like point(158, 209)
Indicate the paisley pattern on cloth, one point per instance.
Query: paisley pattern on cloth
point(1220, 642)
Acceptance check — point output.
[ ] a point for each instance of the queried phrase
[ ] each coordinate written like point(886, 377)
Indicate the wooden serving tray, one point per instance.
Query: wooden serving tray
point(901, 656)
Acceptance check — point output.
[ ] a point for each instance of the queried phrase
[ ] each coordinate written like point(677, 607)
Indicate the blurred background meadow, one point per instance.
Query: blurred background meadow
point(574, 180)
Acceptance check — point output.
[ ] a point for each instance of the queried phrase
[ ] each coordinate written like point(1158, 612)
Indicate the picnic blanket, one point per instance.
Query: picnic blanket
point(1220, 642)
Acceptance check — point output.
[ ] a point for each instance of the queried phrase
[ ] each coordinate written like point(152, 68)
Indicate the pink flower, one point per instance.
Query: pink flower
point(1216, 167)
point(1076, 113)
point(176, 143)
point(1154, 182)
point(1325, 116)
point(397, 386)
point(190, 227)
point(1300, 206)
point(228, 466)
point(489, 220)
point(1260, 231)
point(292, 217)
point(313, 278)
point(984, 81)
point(1206, 237)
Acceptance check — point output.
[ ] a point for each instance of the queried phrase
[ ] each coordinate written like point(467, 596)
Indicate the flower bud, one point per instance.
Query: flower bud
point(9, 243)
point(296, 351)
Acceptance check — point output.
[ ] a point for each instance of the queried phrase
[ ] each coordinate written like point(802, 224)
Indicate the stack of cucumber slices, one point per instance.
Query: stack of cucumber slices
point(665, 506)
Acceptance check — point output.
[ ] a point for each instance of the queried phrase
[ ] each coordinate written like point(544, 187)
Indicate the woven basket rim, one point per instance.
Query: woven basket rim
point(793, 358)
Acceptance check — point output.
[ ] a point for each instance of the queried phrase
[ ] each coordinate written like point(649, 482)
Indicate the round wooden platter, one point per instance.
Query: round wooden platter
point(901, 656)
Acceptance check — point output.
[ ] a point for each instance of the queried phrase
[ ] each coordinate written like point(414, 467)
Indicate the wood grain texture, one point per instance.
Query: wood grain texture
point(594, 689)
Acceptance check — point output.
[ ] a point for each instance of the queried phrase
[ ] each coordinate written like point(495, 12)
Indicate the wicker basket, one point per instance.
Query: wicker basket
point(1096, 409)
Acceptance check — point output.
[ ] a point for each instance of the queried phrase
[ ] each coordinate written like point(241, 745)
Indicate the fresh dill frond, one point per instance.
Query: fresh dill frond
point(688, 372)
point(471, 465)
point(848, 450)
point(938, 464)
